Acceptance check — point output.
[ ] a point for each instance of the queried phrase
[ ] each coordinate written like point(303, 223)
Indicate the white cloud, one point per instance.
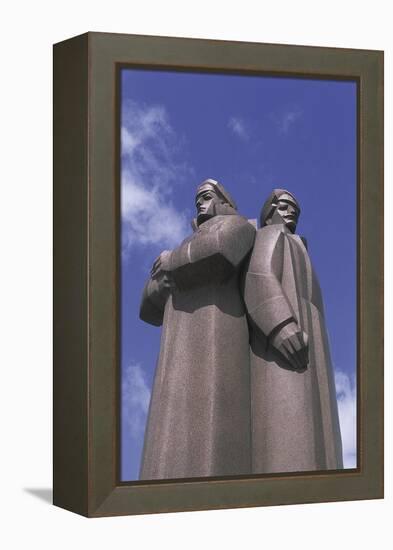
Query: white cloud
point(346, 399)
point(286, 120)
point(149, 216)
point(135, 399)
point(238, 127)
point(150, 172)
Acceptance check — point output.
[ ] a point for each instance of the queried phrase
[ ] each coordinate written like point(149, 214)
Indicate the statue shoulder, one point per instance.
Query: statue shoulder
point(232, 219)
point(269, 234)
point(236, 238)
point(302, 241)
point(234, 222)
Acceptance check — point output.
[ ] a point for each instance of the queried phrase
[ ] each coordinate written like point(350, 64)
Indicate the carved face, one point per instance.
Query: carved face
point(205, 203)
point(286, 212)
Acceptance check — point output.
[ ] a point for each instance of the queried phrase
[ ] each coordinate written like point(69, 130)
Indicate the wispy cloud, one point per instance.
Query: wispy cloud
point(135, 399)
point(239, 128)
point(151, 170)
point(286, 120)
point(346, 399)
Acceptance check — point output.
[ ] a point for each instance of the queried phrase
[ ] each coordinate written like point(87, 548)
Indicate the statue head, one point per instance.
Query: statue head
point(281, 208)
point(211, 200)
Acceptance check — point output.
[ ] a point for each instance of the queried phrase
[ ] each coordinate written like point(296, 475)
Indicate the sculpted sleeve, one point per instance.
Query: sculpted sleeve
point(212, 256)
point(266, 302)
point(153, 302)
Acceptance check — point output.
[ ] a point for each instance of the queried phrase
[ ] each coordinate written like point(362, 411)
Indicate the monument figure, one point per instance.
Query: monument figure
point(294, 417)
point(199, 417)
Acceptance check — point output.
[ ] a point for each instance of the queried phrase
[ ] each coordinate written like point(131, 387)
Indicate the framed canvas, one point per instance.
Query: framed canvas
point(139, 122)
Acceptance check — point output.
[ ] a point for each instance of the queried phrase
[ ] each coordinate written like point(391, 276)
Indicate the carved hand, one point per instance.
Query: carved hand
point(292, 343)
point(161, 264)
point(165, 282)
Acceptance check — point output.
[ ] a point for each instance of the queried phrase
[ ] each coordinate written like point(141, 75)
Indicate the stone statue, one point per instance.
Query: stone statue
point(199, 416)
point(295, 426)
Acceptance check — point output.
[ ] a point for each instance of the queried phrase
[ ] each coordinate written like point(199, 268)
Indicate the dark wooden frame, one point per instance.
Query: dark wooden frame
point(86, 267)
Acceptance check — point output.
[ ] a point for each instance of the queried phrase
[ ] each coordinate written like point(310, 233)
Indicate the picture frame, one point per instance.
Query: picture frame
point(86, 274)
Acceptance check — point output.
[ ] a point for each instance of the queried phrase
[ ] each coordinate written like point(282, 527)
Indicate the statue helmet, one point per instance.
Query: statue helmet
point(271, 203)
point(219, 190)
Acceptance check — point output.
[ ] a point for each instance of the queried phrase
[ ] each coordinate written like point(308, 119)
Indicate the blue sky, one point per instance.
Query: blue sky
point(251, 133)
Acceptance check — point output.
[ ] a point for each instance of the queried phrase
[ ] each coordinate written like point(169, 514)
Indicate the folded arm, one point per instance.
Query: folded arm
point(154, 297)
point(211, 256)
point(267, 304)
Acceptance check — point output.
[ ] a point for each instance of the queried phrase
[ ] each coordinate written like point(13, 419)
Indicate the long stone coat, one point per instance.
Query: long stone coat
point(199, 416)
point(295, 425)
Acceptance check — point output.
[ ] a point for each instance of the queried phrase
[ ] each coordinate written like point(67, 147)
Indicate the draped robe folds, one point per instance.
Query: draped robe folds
point(295, 425)
point(199, 416)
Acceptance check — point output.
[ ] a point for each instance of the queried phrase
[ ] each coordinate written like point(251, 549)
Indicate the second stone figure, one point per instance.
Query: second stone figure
point(294, 417)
